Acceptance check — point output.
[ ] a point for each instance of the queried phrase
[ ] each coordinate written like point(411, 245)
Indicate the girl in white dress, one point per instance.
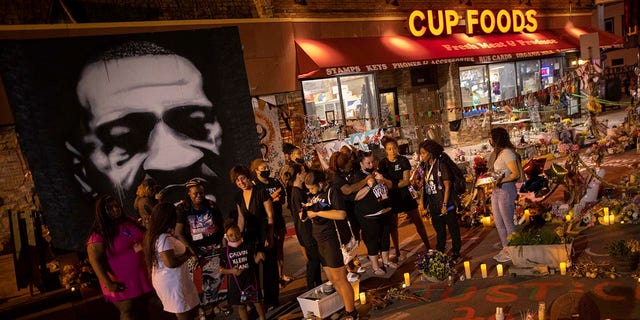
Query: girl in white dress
point(166, 257)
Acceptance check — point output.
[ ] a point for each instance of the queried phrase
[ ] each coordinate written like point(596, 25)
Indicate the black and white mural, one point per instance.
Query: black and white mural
point(98, 115)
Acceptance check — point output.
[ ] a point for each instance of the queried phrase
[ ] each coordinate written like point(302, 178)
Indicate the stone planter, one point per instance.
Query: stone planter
point(625, 264)
point(550, 255)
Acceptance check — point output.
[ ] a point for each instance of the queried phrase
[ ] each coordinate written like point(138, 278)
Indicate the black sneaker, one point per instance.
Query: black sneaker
point(353, 315)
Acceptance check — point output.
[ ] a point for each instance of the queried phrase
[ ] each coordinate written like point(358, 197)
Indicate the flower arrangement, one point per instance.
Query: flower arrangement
point(459, 155)
point(479, 166)
point(435, 264)
point(623, 248)
point(80, 274)
point(536, 237)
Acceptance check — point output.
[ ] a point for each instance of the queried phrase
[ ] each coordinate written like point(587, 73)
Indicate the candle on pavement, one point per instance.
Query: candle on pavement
point(467, 270)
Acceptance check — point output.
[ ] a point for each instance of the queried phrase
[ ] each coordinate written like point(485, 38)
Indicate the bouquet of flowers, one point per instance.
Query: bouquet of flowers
point(459, 155)
point(435, 264)
point(79, 274)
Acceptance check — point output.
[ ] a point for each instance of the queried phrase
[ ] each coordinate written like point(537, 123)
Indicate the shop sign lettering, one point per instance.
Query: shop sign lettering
point(339, 70)
point(442, 22)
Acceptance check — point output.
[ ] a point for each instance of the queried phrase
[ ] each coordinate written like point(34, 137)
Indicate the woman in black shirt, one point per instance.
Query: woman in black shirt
point(396, 170)
point(372, 205)
point(294, 174)
point(326, 210)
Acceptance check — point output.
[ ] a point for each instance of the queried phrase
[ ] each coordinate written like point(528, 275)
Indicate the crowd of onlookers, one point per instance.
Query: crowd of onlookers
point(181, 251)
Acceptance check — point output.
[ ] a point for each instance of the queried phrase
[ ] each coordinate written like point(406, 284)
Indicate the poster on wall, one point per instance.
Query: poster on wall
point(97, 115)
point(268, 128)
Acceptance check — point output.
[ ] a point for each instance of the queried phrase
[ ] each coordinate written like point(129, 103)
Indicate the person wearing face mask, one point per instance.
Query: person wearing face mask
point(326, 209)
point(241, 267)
point(278, 194)
point(371, 207)
point(255, 219)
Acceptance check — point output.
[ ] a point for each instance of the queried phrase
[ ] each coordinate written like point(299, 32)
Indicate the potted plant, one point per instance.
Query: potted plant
point(435, 265)
point(539, 246)
point(625, 254)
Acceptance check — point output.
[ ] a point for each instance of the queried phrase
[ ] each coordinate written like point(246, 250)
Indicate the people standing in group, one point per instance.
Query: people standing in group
point(396, 169)
point(145, 200)
point(372, 207)
point(255, 218)
point(200, 226)
point(166, 258)
point(438, 195)
point(278, 194)
point(503, 161)
point(115, 253)
point(241, 267)
point(326, 209)
point(294, 175)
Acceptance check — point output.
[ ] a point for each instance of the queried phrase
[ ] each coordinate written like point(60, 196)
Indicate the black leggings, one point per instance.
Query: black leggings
point(375, 233)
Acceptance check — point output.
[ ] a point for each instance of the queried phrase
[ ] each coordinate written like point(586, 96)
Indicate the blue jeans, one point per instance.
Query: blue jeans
point(503, 207)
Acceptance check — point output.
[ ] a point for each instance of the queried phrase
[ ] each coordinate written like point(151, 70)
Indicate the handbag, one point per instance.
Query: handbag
point(349, 249)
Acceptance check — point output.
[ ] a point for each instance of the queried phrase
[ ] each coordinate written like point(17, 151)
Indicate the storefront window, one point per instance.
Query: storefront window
point(473, 85)
point(335, 102)
point(550, 71)
point(528, 76)
point(502, 77)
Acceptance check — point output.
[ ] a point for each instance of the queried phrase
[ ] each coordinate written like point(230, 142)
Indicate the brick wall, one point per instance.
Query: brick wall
point(15, 183)
point(49, 11)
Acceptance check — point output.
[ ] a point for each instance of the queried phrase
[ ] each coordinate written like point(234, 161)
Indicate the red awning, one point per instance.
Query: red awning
point(328, 57)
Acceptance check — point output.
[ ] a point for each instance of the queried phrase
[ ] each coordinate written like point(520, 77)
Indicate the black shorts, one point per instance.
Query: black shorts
point(330, 253)
point(401, 201)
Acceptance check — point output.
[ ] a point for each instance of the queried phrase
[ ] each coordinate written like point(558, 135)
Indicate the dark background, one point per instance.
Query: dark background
point(40, 78)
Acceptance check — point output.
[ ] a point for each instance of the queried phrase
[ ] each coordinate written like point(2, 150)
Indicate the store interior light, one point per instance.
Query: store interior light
point(392, 2)
point(468, 2)
point(300, 2)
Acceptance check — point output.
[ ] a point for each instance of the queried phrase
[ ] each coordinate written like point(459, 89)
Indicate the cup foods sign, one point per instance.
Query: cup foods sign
point(439, 22)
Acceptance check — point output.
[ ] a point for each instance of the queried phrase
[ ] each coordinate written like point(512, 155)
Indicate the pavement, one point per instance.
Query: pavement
point(475, 298)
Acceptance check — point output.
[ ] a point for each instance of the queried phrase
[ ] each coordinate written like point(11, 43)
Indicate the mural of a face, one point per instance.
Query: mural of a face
point(149, 117)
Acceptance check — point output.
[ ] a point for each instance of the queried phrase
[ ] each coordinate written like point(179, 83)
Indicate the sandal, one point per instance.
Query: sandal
point(391, 265)
point(379, 272)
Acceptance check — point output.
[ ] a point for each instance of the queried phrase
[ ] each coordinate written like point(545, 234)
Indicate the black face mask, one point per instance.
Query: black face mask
point(369, 170)
point(299, 160)
point(265, 174)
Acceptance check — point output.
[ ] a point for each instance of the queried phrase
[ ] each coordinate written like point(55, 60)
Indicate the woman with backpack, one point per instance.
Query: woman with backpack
point(503, 160)
point(439, 195)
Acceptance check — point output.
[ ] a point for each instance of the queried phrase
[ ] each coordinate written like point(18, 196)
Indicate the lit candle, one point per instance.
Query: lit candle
point(407, 279)
point(605, 216)
point(483, 269)
point(467, 269)
point(526, 215)
point(363, 298)
point(499, 269)
point(563, 268)
point(541, 310)
point(567, 217)
point(612, 219)
point(486, 221)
